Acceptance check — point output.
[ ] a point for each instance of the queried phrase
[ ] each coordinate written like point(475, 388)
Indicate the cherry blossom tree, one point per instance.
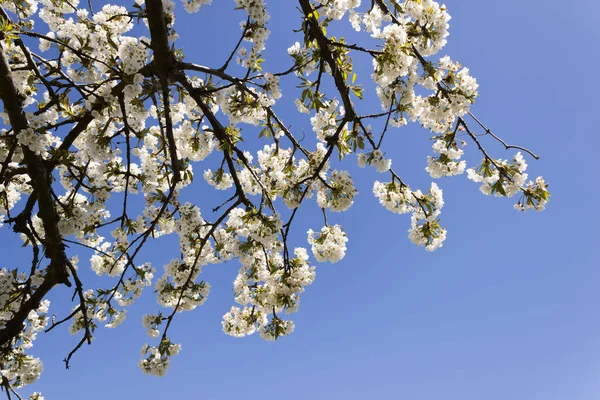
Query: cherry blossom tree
point(106, 123)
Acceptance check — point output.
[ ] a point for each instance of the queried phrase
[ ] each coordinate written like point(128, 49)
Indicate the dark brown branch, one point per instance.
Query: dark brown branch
point(237, 46)
point(221, 135)
point(373, 53)
point(506, 146)
point(163, 63)
point(323, 42)
point(62, 321)
point(188, 280)
point(40, 182)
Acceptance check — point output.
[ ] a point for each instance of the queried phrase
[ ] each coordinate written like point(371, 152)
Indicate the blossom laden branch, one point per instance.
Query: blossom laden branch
point(111, 114)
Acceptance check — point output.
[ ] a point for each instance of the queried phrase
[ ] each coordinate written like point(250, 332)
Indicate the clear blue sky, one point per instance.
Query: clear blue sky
point(507, 309)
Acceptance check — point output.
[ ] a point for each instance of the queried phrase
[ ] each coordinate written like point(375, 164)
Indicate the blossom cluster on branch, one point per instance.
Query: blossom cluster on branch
point(96, 115)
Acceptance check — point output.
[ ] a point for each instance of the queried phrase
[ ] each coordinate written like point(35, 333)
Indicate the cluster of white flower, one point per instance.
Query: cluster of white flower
point(239, 322)
point(192, 143)
point(267, 284)
point(256, 32)
point(157, 359)
point(395, 197)
point(248, 106)
point(18, 368)
point(152, 322)
point(420, 30)
point(193, 6)
point(507, 178)
point(337, 194)
point(220, 179)
point(177, 288)
point(103, 262)
point(535, 196)
point(115, 317)
point(454, 92)
point(272, 85)
point(26, 7)
point(375, 158)
point(133, 53)
point(500, 177)
point(181, 296)
point(96, 35)
point(256, 227)
point(431, 20)
point(329, 244)
point(372, 20)
point(131, 288)
point(296, 49)
point(445, 164)
point(336, 9)
point(324, 122)
point(21, 369)
point(97, 310)
point(301, 55)
point(36, 142)
point(277, 327)
point(277, 170)
point(425, 208)
point(425, 228)
point(83, 213)
point(395, 61)
point(280, 175)
point(10, 194)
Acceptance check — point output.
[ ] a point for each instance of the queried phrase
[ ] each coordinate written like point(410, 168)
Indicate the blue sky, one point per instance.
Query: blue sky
point(507, 309)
